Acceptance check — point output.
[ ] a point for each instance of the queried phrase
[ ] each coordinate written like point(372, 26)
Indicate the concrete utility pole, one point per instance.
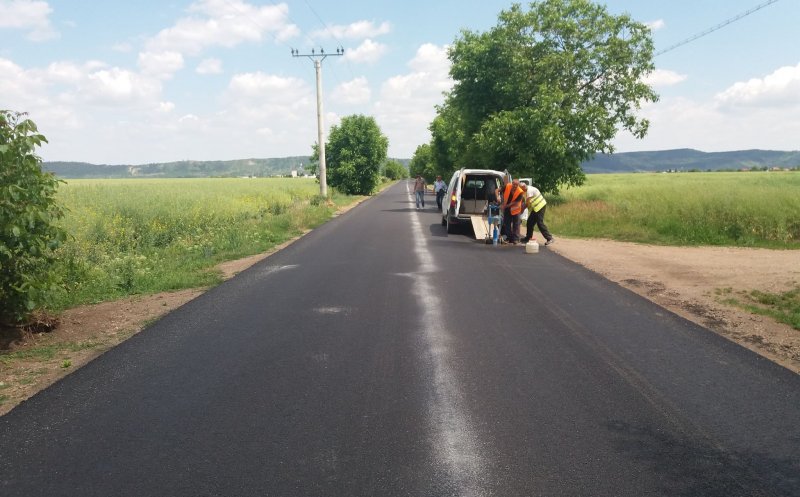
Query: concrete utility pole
point(318, 57)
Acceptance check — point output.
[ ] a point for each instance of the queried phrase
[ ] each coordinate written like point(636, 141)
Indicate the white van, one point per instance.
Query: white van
point(468, 196)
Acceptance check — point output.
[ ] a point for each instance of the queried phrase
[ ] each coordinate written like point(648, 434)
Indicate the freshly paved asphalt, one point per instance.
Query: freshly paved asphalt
point(379, 356)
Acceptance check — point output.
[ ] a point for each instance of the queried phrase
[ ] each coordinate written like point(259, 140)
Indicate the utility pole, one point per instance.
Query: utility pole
point(318, 57)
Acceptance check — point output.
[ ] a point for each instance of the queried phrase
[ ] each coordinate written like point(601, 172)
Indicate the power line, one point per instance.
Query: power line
point(718, 26)
point(329, 30)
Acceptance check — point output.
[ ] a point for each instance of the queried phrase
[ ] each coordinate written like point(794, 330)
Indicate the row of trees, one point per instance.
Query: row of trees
point(541, 92)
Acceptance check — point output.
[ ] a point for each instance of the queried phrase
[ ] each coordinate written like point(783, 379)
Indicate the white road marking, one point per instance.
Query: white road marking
point(331, 310)
point(457, 443)
point(274, 269)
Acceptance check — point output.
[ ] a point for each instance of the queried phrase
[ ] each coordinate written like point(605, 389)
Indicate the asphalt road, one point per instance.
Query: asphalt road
point(378, 356)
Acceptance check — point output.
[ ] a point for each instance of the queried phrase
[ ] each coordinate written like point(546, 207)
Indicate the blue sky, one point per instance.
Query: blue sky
point(122, 82)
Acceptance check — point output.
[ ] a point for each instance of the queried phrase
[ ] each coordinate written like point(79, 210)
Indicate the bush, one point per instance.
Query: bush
point(28, 216)
point(394, 170)
point(355, 151)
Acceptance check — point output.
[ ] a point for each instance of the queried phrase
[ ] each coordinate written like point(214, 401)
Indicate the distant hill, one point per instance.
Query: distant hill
point(181, 169)
point(686, 159)
point(186, 169)
point(627, 162)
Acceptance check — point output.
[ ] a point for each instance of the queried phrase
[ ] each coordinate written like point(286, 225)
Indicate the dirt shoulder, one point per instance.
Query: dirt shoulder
point(683, 280)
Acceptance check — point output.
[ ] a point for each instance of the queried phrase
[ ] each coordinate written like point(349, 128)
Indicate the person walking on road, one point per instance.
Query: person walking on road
point(419, 191)
point(511, 206)
point(536, 208)
point(439, 188)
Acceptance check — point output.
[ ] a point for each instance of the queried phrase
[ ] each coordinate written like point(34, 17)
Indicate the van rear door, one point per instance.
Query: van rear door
point(457, 191)
point(452, 187)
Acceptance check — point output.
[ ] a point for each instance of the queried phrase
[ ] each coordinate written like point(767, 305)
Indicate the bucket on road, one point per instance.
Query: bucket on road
point(531, 247)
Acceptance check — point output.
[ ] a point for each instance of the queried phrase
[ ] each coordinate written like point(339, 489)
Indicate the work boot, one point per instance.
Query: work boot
point(550, 241)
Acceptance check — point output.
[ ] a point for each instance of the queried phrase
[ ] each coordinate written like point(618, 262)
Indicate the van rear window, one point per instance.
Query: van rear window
point(479, 187)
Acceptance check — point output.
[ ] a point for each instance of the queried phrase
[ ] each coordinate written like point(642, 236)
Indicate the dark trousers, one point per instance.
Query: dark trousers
point(439, 197)
point(510, 225)
point(537, 219)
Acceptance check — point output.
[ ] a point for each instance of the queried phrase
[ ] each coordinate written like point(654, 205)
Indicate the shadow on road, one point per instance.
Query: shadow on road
point(692, 468)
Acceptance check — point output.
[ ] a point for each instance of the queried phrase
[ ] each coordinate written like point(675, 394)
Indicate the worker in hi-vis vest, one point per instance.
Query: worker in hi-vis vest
point(536, 207)
point(512, 204)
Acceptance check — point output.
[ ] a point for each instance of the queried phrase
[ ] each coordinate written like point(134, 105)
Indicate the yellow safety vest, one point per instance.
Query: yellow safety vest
point(536, 203)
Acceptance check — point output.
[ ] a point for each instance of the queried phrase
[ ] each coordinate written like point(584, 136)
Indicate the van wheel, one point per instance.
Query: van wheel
point(444, 221)
point(451, 228)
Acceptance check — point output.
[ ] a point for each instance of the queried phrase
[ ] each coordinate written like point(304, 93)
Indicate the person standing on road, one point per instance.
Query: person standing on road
point(511, 206)
point(536, 208)
point(419, 191)
point(439, 188)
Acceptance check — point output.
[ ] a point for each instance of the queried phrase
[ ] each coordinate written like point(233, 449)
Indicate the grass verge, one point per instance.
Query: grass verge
point(783, 307)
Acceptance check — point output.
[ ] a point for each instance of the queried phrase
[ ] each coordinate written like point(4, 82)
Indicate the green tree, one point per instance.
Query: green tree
point(354, 153)
point(544, 90)
point(313, 160)
point(422, 163)
point(394, 170)
point(28, 216)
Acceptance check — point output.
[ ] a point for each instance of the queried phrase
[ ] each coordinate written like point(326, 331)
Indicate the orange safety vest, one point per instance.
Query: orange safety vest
point(514, 204)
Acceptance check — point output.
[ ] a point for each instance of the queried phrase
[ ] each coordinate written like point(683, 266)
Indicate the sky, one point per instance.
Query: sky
point(124, 82)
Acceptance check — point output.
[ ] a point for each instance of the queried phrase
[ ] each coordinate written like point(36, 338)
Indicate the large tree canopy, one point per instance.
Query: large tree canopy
point(543, 91)
point(355, 151)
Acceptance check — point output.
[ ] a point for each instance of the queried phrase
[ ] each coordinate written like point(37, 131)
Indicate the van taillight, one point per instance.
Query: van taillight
point(453, 201)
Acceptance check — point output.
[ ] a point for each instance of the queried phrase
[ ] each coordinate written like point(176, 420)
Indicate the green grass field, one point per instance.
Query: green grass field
point(145, 236)
point(753, 209)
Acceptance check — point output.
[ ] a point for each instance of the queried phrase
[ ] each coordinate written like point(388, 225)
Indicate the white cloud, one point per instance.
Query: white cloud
point(17, 86)
point(33, 16)
point(407, 101)
point(655, 25)
point(165, 107)
point(223, 23)
point(356, 91)
point(160, 65)
point(209, 66)
point(369, 51)
point(779, 89)
point(664, 77)
point(189, 119)
point(265, 86)
point(261, 99)
point(355, 31)
point(431, 59)
point(117, 87)
point(704, 125)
